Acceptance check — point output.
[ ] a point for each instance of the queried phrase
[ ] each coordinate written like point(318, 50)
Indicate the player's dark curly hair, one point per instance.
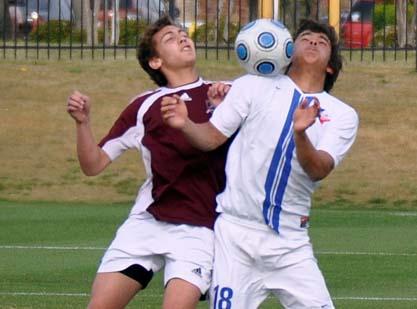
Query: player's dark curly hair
point(336, 60)
point(146, 49)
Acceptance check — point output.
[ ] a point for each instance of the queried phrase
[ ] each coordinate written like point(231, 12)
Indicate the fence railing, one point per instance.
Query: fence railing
point(376, 30)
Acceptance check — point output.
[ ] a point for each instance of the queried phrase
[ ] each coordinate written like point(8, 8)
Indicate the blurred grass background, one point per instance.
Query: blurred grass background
point(37, 136)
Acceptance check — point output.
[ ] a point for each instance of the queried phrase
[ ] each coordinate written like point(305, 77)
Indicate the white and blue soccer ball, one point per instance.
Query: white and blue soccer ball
point(264, 47)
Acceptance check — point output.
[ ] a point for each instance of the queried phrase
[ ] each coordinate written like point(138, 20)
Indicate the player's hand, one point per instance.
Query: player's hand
point(174, 112)
point(305, 115)
point(78, 106)
point(217, 92)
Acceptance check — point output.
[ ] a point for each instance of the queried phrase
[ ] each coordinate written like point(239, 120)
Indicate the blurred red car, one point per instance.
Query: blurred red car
point(358, 29)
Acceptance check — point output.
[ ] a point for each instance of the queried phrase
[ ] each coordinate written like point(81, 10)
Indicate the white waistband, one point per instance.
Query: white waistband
point(292, 222)
point(249, 223)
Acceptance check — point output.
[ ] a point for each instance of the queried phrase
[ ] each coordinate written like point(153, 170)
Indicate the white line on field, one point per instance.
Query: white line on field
point(403, 213)
point(364, 253)
point(43, 294)
point(376, 298)
point(52, 248)
point(160, 295)
point(76, 248)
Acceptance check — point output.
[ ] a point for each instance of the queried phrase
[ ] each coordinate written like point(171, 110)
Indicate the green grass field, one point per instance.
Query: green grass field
point(49, 253)
point(55, 222)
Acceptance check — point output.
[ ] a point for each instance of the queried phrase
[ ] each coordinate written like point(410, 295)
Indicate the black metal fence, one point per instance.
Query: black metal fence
point(368, 29)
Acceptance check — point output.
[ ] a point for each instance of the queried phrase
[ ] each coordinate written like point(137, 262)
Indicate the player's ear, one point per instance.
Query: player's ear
point(155, 63)
point(329, 70)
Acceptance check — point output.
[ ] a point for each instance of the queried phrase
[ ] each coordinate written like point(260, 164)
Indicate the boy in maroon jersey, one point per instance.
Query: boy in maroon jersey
point(170, 224)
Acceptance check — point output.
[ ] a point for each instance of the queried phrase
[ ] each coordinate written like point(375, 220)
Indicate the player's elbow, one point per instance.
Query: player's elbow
point(317, 173)
point(89, 171)
point(92, 168)
point(94, 165)
point(317, 176)
point(319, 169)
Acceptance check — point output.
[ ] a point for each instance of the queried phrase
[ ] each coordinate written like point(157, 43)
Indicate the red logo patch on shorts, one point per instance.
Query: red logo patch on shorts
point(304, 221)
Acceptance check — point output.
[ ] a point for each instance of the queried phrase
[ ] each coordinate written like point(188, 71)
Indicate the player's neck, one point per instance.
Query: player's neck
point(309, 80)
point(179, 77)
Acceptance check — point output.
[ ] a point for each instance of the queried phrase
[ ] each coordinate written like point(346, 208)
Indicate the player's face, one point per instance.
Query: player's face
point(312, 48)
point(174, 47)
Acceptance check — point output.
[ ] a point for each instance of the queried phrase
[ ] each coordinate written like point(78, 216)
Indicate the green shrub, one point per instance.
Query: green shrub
point(389, 40)
point(56, 31)
point(205, 32)
point(382, 19)
point(233, 32)
point(130, 31)
point(60, 31)
point(210, 32)
point(388, 20)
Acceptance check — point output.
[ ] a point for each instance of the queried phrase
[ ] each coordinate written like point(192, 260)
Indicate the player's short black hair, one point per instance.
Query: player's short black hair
point(146, 49)
point(336, 60)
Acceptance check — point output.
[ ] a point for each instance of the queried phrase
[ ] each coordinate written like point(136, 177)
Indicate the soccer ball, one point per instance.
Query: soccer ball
point(264, 47)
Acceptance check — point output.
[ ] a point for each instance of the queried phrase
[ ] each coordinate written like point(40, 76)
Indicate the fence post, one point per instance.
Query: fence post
point(171, 9)
point(276, 9)
point(266, 8)
point(415, 30)
point(334, 15)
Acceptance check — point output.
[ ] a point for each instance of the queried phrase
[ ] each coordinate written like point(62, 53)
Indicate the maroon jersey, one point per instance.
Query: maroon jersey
point(182, 181)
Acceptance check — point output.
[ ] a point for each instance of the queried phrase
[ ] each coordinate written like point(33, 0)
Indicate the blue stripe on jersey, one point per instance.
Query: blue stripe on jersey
point(280, 169)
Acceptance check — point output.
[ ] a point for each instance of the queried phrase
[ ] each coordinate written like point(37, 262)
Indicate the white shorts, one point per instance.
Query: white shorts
point(184, 251)
point(251, 263)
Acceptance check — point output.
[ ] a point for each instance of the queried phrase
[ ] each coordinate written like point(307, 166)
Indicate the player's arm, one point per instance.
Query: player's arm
point(203, 136)
point(316, 163)
point(92, 158)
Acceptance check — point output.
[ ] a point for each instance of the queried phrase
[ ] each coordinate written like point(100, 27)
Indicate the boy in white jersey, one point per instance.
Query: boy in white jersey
point(170, 225)
point(292, 133)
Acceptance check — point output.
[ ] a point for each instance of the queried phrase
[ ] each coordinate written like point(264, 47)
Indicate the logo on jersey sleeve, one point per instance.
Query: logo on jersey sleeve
point(323, 116)
point(185, 97)
point(197, 271)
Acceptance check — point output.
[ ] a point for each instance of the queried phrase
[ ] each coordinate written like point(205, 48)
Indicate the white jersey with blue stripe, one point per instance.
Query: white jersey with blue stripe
point(265, 183)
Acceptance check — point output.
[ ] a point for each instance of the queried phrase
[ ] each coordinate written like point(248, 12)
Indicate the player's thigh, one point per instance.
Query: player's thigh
point(190, 256)
point(237, 281)
point(135, 243)
point(300, 285)
point(181, 294)
point(112, 290)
